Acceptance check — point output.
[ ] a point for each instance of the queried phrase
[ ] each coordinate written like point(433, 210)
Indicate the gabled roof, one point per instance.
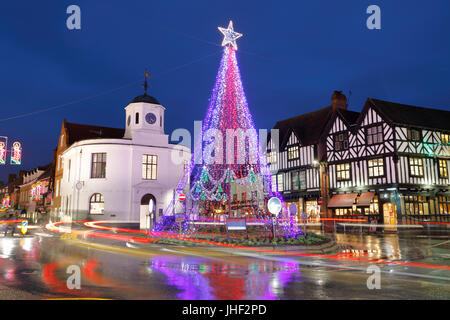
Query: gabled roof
point(77, 132)
point(310, 127)
point(349, 116)
point(402, 114)
point(307, 127)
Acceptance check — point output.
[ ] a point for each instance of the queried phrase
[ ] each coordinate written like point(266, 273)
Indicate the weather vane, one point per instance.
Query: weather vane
point(147, 76)
point(229, 36)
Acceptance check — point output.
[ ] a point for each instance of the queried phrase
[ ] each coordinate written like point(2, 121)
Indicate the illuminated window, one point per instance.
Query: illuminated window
point(443, 172)
point(374, 134)
point(341, 141)
point(444, 205)
point(343, 171)
point(96, 204)
point(272, 157)
point(149, 167)
point(280, 182)
point(293, 152)
point(416, 167)
point(413, 134)
point(416, 205)
point(98, 166)
point(376, 167)
point(295, 182)
point(445, 138)
point(274, 183)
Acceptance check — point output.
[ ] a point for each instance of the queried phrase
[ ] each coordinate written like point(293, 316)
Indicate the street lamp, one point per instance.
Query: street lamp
point(274, 206)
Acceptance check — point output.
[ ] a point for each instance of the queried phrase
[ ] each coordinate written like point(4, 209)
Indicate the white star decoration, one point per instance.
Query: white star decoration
point(229, 36)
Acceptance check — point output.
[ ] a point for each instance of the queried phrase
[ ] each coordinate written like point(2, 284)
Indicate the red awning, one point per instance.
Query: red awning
point(342, 200)
point(365, 198)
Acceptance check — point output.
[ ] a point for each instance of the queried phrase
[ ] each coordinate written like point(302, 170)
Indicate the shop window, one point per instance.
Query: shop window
point(416, 167)
point(444, 205)
point(416, 205)
point(295, 182)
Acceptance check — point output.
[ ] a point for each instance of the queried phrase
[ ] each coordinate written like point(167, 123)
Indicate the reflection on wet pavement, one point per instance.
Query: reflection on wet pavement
point(38, 265)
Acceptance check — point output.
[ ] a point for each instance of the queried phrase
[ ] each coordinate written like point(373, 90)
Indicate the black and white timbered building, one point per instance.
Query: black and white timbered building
point(390, 163)
point(297, 153)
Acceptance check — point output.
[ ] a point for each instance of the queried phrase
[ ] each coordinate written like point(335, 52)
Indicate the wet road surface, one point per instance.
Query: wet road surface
point(35, 267)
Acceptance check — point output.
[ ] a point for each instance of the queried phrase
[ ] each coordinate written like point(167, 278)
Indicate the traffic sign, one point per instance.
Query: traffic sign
point(181, 197)
point(274, 205)
point(24, 227)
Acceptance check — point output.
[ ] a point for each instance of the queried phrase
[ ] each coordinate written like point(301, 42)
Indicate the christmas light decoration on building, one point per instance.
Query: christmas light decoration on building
point(16, 153)
point(2, 152)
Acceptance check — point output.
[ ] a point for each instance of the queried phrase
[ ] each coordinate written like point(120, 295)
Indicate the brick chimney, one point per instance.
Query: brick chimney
point(338, 100)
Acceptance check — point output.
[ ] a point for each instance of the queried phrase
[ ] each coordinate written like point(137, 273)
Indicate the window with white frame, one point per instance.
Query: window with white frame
point(96, 204)
point(98, 165)
point(149, 167)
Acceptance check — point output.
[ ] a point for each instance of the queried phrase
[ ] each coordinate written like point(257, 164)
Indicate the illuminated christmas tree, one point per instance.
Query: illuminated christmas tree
point(230, 175)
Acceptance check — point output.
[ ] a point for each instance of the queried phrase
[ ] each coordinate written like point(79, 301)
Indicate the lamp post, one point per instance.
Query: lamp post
point(274, 206)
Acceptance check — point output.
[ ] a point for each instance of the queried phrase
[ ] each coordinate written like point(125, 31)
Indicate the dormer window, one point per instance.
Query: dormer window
point(414, 135)
point(341, 141)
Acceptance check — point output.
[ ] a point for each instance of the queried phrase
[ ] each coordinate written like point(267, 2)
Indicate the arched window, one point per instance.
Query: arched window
point(96, 204)
point(137, 117)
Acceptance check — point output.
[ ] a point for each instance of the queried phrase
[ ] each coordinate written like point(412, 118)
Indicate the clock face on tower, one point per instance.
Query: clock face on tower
point(150, 118)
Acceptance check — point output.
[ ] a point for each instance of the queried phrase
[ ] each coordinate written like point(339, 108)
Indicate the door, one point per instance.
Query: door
point(390, 216)
point(147, 211)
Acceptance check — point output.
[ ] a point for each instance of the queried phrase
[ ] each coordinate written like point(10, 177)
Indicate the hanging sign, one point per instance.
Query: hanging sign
point(16, 153)
point(2, 152)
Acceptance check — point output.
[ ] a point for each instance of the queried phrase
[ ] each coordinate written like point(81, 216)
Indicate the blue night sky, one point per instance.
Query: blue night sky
point(292, 56)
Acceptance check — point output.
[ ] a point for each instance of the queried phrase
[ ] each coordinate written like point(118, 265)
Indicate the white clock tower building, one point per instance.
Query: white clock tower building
point(121, 175)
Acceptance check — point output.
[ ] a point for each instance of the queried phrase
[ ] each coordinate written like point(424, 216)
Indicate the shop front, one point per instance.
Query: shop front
point(364, 205)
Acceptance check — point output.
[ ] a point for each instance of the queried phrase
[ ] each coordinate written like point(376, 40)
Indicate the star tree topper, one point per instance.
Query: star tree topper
point(229, 36)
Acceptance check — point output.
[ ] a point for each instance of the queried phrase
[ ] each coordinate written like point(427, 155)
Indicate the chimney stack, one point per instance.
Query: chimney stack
point(338, 100)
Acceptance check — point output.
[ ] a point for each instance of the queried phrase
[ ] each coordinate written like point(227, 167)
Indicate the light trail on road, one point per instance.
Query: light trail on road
point(278, 252)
